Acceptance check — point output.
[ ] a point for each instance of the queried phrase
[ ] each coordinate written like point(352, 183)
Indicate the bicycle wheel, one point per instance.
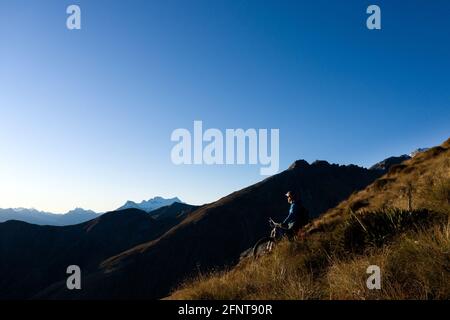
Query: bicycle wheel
point(262, 247)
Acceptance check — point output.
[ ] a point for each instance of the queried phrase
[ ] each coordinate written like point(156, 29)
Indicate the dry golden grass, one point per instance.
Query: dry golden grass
point(270, 277)
point(421, 182)
point(400, 223)
point(417, 266)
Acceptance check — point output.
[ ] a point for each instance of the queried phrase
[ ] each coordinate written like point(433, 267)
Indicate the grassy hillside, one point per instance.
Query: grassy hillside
point(400, 223)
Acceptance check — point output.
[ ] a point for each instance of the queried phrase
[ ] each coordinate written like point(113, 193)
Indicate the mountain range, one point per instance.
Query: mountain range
point(132, 253)
point(80, 215)
point(77, 215)
point(34, 216)
point(149, 205)
point(129, 253)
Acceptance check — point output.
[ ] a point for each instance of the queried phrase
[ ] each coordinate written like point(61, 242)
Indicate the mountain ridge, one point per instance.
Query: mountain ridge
point(77, 215)
point(197, 239)
point(33, 216)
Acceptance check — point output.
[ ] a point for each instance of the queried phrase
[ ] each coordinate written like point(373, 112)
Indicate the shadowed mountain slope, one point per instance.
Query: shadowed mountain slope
point(33, 257)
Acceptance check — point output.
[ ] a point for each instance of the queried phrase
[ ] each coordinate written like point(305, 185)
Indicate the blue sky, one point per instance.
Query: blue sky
point(86, 115)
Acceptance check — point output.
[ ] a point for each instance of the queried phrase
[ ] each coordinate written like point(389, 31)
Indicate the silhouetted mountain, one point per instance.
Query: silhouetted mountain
point(34, 257)
point(174, 211)
point(215, 234)
point(150, 205)
point(34, 216)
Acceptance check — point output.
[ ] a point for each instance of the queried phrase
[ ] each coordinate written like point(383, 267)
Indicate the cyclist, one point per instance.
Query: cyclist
point(298, 216)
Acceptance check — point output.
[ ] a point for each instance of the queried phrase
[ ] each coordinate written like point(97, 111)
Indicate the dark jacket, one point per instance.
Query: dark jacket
point(298, 216)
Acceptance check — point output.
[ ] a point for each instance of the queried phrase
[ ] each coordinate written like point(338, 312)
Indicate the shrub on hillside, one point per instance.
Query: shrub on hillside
point(415, 266)
point(374, 229)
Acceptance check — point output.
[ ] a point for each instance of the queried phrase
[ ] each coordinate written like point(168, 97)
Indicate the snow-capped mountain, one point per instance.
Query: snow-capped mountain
point(34, 216)
point(151, 204)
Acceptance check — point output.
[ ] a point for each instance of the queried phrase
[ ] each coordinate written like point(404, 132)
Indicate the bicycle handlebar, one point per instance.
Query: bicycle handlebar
point(274, 224)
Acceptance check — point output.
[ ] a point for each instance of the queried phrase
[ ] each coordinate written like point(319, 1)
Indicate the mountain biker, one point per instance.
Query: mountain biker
point(298, 215)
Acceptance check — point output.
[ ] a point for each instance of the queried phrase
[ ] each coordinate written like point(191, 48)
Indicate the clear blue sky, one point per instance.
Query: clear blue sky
point(86, 115)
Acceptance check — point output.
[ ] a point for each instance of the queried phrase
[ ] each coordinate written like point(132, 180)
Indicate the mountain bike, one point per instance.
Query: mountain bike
point(265, 245)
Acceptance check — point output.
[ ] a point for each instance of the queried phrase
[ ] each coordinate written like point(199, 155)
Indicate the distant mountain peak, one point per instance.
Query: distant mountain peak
point(24, 209)
point(389, 162)
point(151, 204)
point(33, 216)
point(385, 164)
point(417, 151)
point(80, 211)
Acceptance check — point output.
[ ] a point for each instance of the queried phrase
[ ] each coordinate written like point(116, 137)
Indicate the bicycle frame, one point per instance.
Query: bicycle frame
point(270, 240)
point(273, 234)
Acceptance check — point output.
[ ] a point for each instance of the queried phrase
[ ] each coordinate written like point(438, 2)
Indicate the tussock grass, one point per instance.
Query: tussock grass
point(374, 229)
point(415, 265)
point(269, 277)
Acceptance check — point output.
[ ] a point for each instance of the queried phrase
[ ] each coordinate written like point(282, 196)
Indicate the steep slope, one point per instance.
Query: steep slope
point(174, 211)
point(215, 234)
point(401, 223)
point(34, 257)
point(414, 183)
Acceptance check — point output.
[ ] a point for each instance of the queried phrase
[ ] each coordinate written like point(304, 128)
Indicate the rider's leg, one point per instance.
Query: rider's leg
point(292, 233)
point(280, 233)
